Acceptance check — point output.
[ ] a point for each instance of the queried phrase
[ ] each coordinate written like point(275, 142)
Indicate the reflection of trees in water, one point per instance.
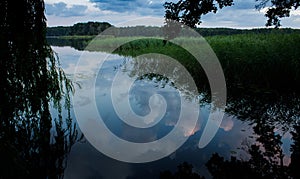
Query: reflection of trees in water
point(276, 109)
point(271, 115)
point(184, 170)
point(78, 44)
point(264, 163)
point(165, 71)
point(295, 149)
point(31, 81)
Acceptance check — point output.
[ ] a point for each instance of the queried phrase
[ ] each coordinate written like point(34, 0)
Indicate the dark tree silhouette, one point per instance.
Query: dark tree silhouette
point(189, 12)
point(184, 170)
point(295, 149)
point(277, 9)
point(263, 163)
point(31, 81)
point(266, 112)
point(88, 28)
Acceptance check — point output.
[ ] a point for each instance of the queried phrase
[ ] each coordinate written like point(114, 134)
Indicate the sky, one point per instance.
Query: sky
point(117, 12)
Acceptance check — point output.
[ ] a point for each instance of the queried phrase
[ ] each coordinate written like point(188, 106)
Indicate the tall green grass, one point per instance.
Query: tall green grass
point(257, 61)
point(110, 43)
point(260, 60)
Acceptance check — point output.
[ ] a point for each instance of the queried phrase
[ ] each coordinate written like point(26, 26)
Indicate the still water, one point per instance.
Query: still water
point(234, 136)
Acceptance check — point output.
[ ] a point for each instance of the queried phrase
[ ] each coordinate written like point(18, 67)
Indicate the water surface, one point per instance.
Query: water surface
point(235, 135)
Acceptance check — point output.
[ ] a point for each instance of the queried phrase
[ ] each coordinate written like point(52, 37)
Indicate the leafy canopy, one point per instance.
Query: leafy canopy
point(189, 12)
point(277, 9)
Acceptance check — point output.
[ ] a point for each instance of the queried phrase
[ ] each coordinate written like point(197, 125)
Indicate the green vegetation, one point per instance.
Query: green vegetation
point(256, 58)
point(89, 28)
point(266, 60)
point(257, 61)
point(110, 43)
point(74, 37)
point(205, 32)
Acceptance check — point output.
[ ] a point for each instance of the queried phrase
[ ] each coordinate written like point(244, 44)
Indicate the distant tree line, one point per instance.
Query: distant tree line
point(228, 31)
point(89, 28)
point(95, 28)
point(145, 31)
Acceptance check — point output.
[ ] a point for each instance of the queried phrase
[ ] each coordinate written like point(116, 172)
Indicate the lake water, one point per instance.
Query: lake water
point(234, 135)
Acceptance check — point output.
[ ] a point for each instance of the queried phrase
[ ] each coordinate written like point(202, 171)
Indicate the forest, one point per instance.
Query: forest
point(95, 28)
point(89, 28)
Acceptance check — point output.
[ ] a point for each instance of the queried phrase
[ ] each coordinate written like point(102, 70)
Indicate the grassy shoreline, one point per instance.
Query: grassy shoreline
point(262, 61)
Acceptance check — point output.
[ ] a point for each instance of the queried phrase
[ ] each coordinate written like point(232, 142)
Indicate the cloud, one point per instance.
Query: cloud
point(241, 15)
point(234, 18)
point(62, 9)
point(141, 7)
point(227, 123)
point(244, 4)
